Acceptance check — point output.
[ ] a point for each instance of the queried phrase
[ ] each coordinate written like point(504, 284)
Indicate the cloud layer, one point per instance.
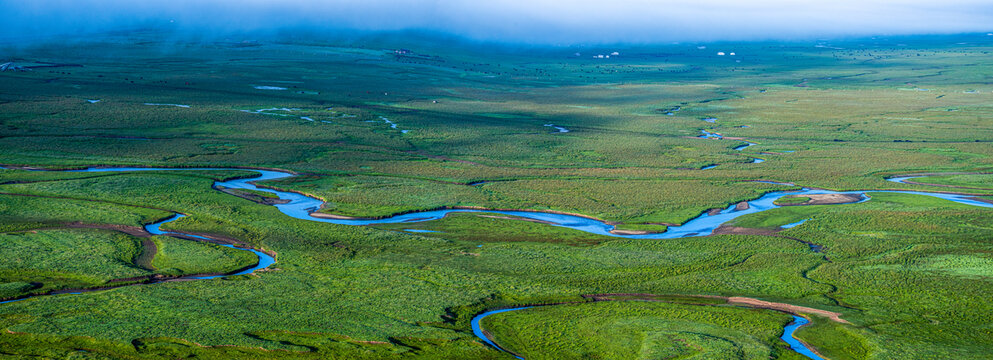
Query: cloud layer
point(531, 21)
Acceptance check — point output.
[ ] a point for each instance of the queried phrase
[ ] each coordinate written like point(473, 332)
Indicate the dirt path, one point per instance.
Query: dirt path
point(788, 308)
point(732, 300)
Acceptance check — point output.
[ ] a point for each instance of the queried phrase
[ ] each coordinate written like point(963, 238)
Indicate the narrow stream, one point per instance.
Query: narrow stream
point(559, 128)
point(795, 343)
point(264, 261)
point(743, 147)
point(903, 179)
point(788, 332)
point(709, 135)
point(477, 329)
point(793, 225)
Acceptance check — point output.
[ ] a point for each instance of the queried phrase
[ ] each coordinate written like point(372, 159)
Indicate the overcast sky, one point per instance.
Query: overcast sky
point(531, 21)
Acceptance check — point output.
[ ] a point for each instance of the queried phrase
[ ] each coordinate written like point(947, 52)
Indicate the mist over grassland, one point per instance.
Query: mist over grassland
point(543, 22)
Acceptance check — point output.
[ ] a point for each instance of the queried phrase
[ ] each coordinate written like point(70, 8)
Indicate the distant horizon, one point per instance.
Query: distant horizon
point(347, 37)
point(536, 22)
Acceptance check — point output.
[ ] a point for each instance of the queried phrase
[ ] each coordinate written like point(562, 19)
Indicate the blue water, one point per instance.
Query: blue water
point(793, 225)
point(757, 161)
point(788, 331)
point(902, 179)
point(559, 128)
point(710, 135)
point(747, 144)
point(708, 167)
point(795, 344)
point(301, 206)
point(478, 330)
point(420, 231)
point(265, 260)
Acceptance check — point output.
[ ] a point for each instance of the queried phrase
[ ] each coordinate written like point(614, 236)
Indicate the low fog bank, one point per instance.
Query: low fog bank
point(544, 22)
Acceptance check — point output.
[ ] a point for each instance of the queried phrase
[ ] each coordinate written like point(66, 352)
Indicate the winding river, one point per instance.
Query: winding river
point(795, 343)
point(300, 206)
point(264, 261)
point(788, 331)
point(477, 328)
point(743, 147)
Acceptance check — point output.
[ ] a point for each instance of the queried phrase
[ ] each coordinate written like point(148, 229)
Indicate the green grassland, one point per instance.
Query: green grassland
point(484, 227)
point(971, 181)
point(185, 257)
point(875, 125)
point(30, 212)
point(39, 261)
point(343, 274)
point(53, 259)
point(909, 272)
point(640, 330)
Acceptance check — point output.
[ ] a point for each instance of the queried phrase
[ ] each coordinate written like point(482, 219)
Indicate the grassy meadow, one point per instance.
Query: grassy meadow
point(374, 134)
point(640, 330)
